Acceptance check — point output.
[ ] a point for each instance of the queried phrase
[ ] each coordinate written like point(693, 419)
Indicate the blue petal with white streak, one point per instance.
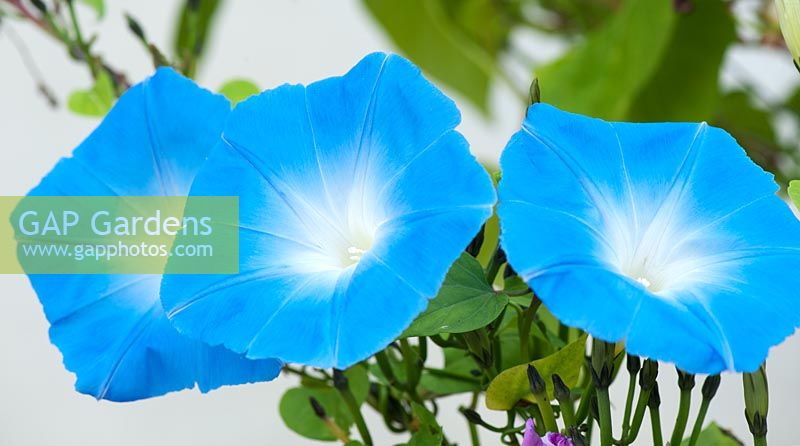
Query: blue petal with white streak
point(666, 236)
point(356, 195)
point(111, 329)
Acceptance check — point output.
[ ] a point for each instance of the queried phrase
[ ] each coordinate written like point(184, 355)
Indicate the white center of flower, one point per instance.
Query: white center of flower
point(355, 253)
point(662, 247)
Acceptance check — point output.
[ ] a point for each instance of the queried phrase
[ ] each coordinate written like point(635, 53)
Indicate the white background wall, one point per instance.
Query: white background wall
point(272, 43)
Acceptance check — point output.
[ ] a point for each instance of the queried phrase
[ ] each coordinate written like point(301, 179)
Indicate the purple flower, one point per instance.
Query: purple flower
point(531, 438)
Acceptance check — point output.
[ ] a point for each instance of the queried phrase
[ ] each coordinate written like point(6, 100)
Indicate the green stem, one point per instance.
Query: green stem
point(604, 409)
point(638, 417)
point(497, 260)
point(626, 418)
point(568, 414)
point(386, 367)
point(682, 418)
point(760, 441)
point(524, 326)
point(655, 421)
point(355, 411)
point(473, 429)
point(413, 369)
point(547, 413)
point(698, 422)
point(538, 420)
point(87, 56)
point(443, 373)
point(583, 406)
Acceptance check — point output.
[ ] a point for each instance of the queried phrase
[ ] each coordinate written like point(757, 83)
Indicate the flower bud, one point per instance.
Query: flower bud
point(339, 380)
point(685, 381)
point(534, 92)
point(602, 363)
point(40, 5)
point(319, 411)
point(647, 378)
point(710, 386)
point(655, 398)
point(560, 390)
point(135, 28)
point(472, 416)
point(789, 17)
point(756, 400)
point(535, 379)
point(593, 409)
point(634, 364)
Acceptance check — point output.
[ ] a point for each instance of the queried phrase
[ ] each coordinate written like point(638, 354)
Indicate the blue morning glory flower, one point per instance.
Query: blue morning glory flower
point(666, 236)
point(111, 329)
point(355, 196)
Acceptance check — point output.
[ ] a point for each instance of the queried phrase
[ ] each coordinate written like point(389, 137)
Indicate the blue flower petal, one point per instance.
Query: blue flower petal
point(666, 236)
point(111, 329)
point(355, 196)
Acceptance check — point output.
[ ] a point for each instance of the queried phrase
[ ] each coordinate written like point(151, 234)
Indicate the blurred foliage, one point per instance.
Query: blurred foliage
point(96, 101)
point(633, 60)
point(195, 22)
point(237, 90)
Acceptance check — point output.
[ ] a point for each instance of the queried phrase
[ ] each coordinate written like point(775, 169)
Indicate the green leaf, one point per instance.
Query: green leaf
point(96, 101)
point(794, 192)
point(465, 302)
point(99, 7)
point(602, 76)
point(685, 86)
point(511, 386)
point(423, 31)
point(298, 415)
point(237, 90)
point(752, 127)
point(429, 433)
point(713, 435)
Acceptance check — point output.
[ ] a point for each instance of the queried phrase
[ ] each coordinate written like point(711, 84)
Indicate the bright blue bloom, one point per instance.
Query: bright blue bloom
point(111, 329)
point(666, 236)
point(356, 196)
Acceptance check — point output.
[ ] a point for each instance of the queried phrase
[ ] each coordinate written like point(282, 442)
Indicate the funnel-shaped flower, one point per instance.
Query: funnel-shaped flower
point(112, 329)
point(531, 438)
point(666, 236)
point(355, 196)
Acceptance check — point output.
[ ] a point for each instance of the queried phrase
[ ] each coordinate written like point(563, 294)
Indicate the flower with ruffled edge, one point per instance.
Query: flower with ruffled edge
point(356, 195)
point(111, 329)
point(666, 236)
point(531, 438)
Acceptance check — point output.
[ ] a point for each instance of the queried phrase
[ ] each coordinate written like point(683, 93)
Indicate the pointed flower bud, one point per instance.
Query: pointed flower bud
point(756, 400)
point(655, 398)
point(472, 416)
point(602, 362)
point(40, 5)
point(319, 411)
point(340, 381)
point(647, 378)
point(710, 386)
point(634, 364)
point(535, 379)
point(560, 390)
point(534, 93)
point(789, 17)
point(685, 380)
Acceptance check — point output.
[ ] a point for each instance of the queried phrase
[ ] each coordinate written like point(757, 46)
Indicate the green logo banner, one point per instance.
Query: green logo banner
point(119, 235)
